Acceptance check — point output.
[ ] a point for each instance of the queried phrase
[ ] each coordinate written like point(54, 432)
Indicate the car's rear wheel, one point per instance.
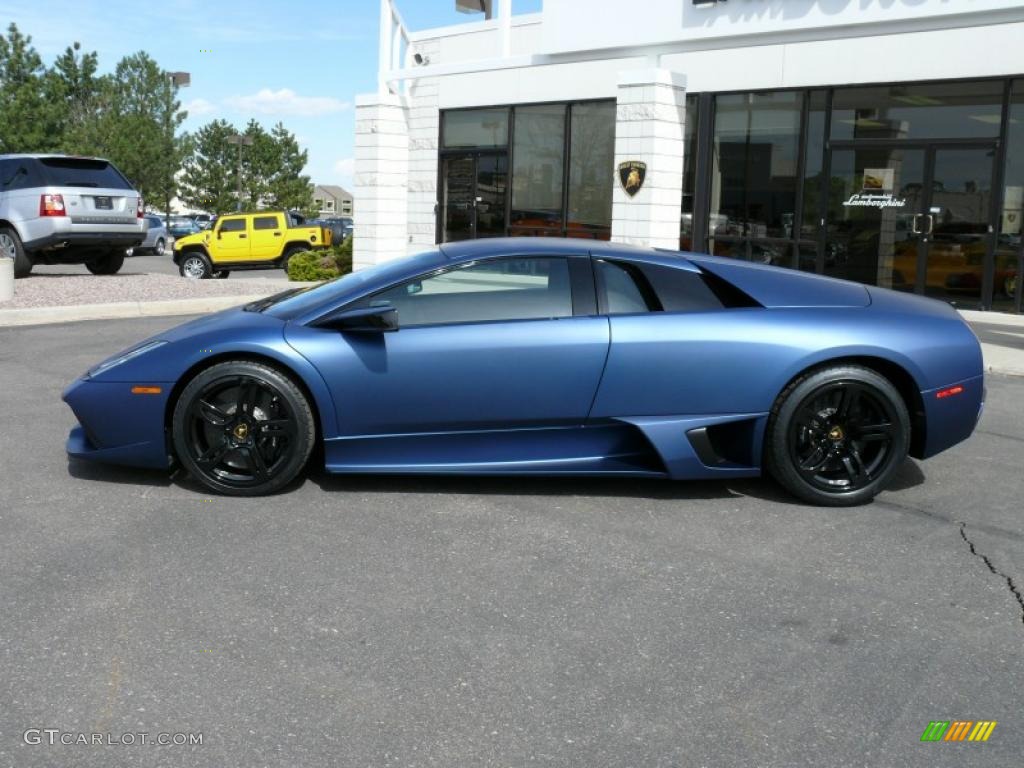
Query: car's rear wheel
point(10, 246)
point(160, 248)
point(108, 264)
point(243, 429)
point(196, 266)
point(288, 257)
point(836, 436)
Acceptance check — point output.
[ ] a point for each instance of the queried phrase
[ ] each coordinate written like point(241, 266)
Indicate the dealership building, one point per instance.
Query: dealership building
point(880, 141)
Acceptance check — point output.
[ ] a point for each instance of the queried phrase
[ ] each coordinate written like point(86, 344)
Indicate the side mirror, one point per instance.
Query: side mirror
point(362, 320)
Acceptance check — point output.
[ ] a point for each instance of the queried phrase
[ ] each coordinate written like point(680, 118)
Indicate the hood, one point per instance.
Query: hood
point(780, 287)
point(199, 238)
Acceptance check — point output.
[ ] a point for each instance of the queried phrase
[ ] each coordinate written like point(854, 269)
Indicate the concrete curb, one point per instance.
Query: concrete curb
point(121, 309)
point(992, 318)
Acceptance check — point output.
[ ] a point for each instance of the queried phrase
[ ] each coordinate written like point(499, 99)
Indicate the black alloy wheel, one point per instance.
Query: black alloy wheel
point(837, 436)
point(243, 429)
point(108, 264)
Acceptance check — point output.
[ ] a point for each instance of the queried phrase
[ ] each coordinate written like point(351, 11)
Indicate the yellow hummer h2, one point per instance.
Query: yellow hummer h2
point(257, 240)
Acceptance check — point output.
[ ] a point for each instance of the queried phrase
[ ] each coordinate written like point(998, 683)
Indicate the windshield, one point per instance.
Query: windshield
point(298, 301)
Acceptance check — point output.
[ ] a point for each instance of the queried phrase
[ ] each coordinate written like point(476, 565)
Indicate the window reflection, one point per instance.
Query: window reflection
point(591, 169)
point(538, 163)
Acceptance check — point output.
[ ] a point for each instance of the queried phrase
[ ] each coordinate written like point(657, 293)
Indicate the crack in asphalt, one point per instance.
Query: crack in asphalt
point(1014, 589)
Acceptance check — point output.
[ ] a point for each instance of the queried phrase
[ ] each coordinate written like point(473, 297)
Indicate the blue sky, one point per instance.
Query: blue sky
point(299, 62)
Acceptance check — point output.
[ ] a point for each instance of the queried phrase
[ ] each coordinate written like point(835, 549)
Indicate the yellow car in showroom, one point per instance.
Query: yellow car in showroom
point(255, 240)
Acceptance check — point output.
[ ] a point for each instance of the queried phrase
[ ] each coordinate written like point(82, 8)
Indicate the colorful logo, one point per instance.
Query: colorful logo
point(958, 730)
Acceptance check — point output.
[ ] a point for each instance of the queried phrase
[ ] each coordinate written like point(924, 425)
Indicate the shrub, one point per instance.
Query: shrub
point(312, 265)
point(321, 265)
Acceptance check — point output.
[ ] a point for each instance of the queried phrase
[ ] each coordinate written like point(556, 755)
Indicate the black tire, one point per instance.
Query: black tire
point(109, 264)
point(836, 436)
point(195, 265)
point(160, 248)
point(289, 252)
point(10, 245)
point(254, 454)
point(222, 274)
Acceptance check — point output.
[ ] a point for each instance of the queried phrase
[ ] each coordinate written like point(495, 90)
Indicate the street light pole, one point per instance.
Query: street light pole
point(179, 80)
point(240, 140)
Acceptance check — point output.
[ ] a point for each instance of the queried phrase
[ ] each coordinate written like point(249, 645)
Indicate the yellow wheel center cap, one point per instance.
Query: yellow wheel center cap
point(836, 433)
point(241, 431)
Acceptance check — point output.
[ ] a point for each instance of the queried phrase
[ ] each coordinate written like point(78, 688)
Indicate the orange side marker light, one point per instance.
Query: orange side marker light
point(949, 392)
point(141, 390)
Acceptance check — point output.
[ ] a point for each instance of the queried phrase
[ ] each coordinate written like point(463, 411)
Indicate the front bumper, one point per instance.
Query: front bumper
point(116, 426)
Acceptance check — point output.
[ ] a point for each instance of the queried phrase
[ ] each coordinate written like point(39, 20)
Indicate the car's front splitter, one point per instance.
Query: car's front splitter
point(118, 426)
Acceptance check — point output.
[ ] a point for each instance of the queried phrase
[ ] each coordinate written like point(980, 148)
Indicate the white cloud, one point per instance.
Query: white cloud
point(198, 107)
point(343, 170)
point(286, 102)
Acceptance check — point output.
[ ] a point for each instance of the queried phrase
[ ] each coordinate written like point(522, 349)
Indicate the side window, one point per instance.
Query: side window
point(487, 291)
point(13, 175)
point(621, 290)
point(264, 222)
point(679, 290)
point(630, 288)
point(232, 225)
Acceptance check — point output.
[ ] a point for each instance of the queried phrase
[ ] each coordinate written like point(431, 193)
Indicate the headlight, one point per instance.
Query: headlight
point(124, 357)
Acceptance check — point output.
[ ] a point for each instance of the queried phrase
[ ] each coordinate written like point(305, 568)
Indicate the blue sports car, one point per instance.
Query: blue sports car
point(553, 357)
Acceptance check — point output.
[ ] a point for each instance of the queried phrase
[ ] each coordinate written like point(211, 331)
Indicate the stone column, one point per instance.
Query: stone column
point(424, 128)
point(649, 128)
point(381, 180)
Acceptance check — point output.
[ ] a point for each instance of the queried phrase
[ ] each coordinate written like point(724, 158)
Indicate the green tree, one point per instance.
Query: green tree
point(271, 169)
point(27, 117)
point(208, 179)
point(74, 88)
point(140, 116)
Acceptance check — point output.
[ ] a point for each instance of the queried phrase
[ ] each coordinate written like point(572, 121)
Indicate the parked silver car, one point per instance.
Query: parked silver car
point(58, 209)
point(156, 237)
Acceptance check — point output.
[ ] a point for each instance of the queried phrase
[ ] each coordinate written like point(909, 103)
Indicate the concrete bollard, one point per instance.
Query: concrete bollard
point(6, 278)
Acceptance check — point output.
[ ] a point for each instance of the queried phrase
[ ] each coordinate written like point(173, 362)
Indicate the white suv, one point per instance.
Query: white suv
point(57, 209)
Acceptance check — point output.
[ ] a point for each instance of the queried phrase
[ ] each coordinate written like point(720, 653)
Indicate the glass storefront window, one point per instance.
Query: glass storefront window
point(814, 156)
point(689, 174)
point(591, 169)
point(754, 164)
point(1009, 253)
point(970, 109)
point(538, 166)
point(469, 128)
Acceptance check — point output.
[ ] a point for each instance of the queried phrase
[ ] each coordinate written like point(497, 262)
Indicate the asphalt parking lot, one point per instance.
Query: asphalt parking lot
point(490, 622)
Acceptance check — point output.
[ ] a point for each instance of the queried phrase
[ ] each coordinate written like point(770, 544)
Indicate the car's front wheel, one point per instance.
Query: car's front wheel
point(195, 266)
point(108, 264)
point(242, 428)
point(836, 436)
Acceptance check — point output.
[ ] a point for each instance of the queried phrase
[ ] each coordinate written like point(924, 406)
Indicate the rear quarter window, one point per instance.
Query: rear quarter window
point(81, 172)
point(265, 222)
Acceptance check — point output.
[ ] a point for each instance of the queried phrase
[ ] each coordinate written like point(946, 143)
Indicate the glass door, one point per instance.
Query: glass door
point(957, 233)
point(473, 188)
point(876, 200)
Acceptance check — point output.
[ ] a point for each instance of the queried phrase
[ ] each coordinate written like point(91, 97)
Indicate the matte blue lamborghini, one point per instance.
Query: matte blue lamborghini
point(553, 357)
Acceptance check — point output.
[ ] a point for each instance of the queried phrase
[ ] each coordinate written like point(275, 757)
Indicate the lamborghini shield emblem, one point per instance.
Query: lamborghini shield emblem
point(632, 174)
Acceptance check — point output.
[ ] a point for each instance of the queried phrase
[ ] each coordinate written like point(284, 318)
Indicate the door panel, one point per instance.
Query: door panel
point(958, 241)
point(232, 245)
point(876, 203)
point(267, 238)
point(468, 376)
point(473, 196)
point(459, 183)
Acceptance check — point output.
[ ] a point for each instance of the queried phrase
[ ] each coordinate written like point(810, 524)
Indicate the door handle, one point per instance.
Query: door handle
point(931, 223)
point(913, 224)
point(277, 234)
point(242, 237)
